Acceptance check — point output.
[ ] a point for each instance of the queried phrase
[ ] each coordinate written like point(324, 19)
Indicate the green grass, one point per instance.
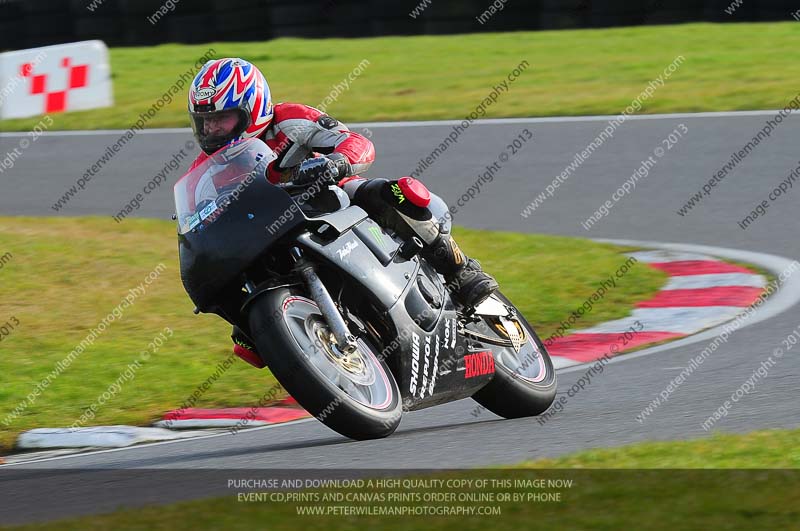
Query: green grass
point(600, 499)
point(779, 449)
point(66, 274)
point(576, 72)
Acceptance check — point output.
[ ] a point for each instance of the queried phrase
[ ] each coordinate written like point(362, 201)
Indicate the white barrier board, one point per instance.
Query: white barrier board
point(51, 79)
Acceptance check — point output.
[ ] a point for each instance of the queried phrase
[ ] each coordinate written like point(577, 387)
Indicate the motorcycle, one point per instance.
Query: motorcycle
point(351, 321)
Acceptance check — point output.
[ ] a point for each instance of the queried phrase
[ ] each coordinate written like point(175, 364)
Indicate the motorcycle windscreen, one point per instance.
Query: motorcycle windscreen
point(227, 211)
point(203, 194)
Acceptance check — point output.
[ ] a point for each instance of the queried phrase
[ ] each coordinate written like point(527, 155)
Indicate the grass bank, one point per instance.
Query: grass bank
point(571, 72)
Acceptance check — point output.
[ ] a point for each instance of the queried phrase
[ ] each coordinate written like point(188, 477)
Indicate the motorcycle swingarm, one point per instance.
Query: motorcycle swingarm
point(486, 339)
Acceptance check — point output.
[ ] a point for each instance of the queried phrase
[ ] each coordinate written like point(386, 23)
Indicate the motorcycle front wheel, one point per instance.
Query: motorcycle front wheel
point(354, 393)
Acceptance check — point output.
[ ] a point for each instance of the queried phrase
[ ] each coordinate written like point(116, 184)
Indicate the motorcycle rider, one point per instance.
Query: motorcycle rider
point(230, 100)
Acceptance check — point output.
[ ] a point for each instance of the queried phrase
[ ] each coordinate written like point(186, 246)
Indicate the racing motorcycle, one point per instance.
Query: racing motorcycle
point(352, 322)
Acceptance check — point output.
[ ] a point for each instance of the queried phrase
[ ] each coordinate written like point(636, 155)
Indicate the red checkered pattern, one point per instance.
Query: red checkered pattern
point(56, 101)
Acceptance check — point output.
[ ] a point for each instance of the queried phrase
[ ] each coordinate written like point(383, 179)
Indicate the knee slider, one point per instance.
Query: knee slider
point(416, 192)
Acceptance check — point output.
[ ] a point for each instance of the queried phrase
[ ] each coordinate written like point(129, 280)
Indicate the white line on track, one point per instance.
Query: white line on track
point(441, 123)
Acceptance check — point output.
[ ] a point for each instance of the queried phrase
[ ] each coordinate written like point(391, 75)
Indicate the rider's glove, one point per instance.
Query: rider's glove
point(319, 170)
point(342, 164)
point(326, 169)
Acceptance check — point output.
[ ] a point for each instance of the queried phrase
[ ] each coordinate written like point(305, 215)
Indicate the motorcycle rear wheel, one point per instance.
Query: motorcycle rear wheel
point(522, 386)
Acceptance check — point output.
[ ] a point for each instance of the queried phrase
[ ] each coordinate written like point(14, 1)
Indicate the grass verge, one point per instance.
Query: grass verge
point(65, 275)
point(668, 496)
point(777, 449)
point(571, 72)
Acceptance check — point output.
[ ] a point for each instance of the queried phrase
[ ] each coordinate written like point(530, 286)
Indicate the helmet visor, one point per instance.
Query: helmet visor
point(214, 130)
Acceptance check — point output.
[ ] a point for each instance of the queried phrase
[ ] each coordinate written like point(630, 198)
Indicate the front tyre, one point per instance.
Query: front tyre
point(353, 394)
point(524, 383)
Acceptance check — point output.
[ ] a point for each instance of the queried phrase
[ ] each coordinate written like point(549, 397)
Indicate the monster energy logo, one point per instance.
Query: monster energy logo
point(378, 235)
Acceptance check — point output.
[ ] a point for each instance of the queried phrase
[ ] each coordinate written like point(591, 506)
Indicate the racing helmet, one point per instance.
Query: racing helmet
point(229, 100)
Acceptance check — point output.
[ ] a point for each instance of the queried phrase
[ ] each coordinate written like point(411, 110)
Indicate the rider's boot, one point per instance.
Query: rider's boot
point(402, 206)
point(470, 284)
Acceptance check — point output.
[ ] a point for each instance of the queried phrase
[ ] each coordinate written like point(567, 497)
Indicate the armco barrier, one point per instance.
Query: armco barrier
point(32, 23)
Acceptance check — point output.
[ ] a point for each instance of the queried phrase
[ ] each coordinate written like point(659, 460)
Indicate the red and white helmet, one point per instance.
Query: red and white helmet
point(229, 100)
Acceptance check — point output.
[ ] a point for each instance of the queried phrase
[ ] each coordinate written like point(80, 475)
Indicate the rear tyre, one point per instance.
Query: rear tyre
point(353, 394)
point(524, 383)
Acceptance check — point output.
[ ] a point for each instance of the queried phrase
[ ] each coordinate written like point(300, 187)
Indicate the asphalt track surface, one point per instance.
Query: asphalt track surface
point(449, 436)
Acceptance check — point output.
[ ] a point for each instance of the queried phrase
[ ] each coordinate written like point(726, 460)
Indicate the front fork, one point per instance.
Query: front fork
point(345, 341)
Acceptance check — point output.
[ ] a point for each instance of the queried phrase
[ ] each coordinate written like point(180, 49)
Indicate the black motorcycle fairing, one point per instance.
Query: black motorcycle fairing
point(381, 245)
point(213, 256)
point(431, 367)
point(355, 258)
point(420, 342)
point(333, 224)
